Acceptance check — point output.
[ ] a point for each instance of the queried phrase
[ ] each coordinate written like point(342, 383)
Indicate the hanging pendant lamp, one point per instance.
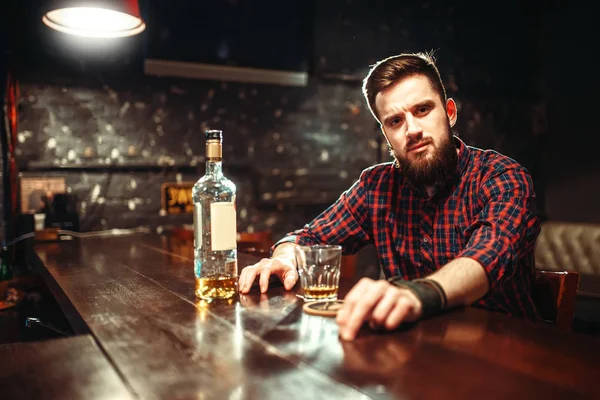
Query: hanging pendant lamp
point(98, 19)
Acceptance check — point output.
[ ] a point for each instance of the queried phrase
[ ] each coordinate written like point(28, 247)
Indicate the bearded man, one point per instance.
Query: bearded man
point(452, 224)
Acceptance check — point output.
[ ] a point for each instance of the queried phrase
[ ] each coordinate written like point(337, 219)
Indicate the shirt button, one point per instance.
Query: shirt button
point(425, 240)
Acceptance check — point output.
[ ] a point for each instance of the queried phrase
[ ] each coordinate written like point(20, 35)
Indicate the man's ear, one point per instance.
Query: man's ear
point(451, 111)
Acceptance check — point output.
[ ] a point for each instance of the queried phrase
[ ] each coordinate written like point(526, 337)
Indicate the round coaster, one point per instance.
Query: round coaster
point(323, 308)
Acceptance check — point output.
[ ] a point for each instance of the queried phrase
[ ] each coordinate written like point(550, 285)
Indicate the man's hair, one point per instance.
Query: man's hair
point(388, 71)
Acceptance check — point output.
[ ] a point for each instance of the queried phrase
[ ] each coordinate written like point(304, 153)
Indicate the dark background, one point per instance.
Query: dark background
point(523, 75)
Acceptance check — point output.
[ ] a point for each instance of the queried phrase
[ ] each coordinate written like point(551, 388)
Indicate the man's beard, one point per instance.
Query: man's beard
point(431, 170)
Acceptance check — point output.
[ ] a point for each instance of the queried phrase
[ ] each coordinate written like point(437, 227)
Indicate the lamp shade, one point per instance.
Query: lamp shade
point(105, 19)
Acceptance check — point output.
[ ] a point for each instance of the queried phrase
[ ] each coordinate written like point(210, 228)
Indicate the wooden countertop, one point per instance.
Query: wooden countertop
point(67, 368)
point(135, 295)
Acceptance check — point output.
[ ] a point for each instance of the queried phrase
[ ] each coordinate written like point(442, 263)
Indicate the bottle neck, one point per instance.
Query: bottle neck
point(214, 166)
point(214, 154)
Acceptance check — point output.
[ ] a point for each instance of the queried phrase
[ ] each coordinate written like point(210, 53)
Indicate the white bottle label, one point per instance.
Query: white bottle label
point(197, 225)
point(222, 226)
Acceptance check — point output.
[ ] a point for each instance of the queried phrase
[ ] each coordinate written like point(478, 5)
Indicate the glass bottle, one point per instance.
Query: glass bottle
point(215, 246)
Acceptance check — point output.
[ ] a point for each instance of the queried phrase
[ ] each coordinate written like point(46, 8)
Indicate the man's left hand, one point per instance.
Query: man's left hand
point(380, 303)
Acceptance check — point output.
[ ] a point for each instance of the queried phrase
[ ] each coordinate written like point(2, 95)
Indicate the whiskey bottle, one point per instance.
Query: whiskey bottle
point(215, 247)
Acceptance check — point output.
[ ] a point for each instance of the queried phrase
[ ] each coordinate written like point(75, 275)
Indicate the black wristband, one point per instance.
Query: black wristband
point(437, 287)
point(432, 301)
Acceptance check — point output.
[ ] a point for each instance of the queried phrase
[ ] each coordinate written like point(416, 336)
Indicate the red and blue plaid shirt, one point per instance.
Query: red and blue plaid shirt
point(486, 214)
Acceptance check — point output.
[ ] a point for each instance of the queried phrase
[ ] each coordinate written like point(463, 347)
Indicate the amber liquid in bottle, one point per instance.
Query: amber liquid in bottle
point(215, 250)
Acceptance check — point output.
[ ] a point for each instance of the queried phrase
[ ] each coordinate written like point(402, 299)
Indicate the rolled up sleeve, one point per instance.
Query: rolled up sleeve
point(507, 226)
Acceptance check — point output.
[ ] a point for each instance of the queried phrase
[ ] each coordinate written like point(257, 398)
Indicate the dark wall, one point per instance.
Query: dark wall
point(291, 151)
point(570, 37)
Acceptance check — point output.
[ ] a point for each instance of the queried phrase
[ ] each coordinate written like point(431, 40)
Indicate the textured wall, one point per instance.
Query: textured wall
point(281, 145)
point(290, 150)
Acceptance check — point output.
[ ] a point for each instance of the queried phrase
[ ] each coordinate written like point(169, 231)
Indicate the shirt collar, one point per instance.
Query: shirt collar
point(464, 154)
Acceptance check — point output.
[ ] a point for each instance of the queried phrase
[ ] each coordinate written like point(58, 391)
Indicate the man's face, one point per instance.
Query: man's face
point(416, 124)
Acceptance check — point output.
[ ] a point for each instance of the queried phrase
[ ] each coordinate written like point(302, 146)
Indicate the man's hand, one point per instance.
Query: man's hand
point(380, 303)
point(283, 267)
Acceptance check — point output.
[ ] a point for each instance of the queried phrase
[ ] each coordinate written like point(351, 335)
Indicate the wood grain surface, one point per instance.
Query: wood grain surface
point(136, 296)
point(66, 368)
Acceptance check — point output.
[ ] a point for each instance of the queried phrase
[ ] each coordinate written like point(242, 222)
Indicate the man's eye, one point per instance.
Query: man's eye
point(423, 110)
point(395, 121)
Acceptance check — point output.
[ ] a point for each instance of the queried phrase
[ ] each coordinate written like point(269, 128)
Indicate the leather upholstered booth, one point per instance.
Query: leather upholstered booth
point(567, 257)
point(566, 246)
point(575, 248)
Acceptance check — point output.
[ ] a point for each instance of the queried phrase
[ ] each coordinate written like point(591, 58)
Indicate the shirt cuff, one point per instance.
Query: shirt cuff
point(495, 261)
point(293, 238)
point(285, 239)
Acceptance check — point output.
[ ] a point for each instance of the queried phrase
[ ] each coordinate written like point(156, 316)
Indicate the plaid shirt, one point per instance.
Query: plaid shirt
point(486, 215)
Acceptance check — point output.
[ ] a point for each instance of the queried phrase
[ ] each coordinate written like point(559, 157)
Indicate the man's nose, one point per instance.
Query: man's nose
point(413, 127)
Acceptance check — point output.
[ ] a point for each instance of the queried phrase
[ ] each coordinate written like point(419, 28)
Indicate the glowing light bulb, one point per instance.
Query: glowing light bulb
point(94, 22)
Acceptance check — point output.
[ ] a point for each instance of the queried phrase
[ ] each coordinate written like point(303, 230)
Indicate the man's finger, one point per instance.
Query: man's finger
point(358, 290)
point(399, 313)
point(352, 297)
point(362, 310)
point(247, 277)
point(289, 278)
point(284, 270)
point(265, 273)
point(384, 307)
point(249, 274)
point(244, 276)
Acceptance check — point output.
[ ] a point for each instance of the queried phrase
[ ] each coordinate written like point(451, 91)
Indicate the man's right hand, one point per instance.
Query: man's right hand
point(283, 267)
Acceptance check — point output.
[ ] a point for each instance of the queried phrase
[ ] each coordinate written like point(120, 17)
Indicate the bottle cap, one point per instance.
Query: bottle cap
point(214, 134)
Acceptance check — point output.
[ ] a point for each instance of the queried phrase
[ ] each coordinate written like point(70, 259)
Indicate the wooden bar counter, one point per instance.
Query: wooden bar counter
point(135, 296)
